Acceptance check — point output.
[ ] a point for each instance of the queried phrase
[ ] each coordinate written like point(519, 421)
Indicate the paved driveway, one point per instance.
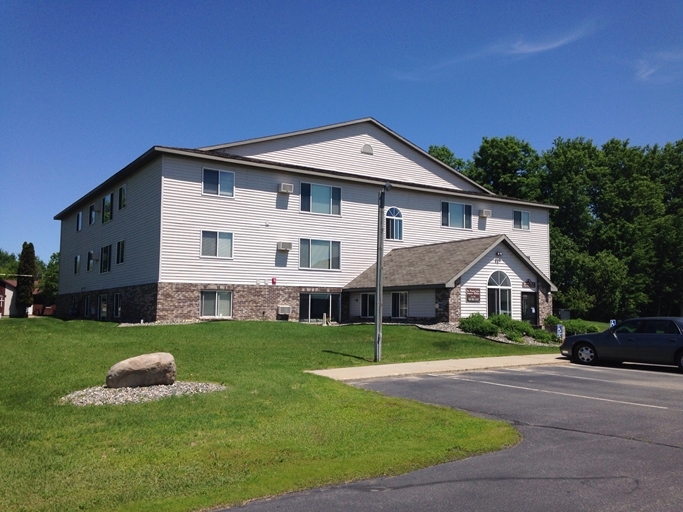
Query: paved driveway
point(595, 439)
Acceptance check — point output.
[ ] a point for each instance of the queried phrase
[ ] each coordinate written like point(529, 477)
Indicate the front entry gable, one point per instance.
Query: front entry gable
point(443, 265)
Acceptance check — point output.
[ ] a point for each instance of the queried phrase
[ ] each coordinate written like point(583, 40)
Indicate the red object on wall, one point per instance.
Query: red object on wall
point(274, 280)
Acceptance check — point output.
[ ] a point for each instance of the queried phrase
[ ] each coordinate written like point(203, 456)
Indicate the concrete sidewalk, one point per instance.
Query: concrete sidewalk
point(449, 365)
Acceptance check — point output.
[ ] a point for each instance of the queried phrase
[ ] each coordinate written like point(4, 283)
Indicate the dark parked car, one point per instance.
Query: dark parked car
point(655, 340)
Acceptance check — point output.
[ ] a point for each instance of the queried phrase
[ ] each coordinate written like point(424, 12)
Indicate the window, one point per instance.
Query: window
point(521, 220)
point(456, 215)
point(122, 197)
point(499, 294)
point(93, 213)
point(77, 264)
point(628, 327)
point(107, 207)
point(91, 262)
point(217, 304)
point(117, 305)
point(394, 221)
point(86, 306)
point(79, 221)
point(219, 183)
point(367, 305)
point(399, 304)
point(320, 199)
point(102, 303)
point(321, 254)
point(105, 259)
point(120, 246)
point(216, 244)
point(313, 306)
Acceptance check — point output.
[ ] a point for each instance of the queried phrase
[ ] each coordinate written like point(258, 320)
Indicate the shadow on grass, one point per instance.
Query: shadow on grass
point(348, 355)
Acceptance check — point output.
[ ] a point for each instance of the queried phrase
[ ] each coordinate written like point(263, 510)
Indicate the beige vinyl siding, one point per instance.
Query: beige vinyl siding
point(421, 303)
point(339, 149)
point(422, 224)
point(478, 277)
point(137, 224)
point(259, 217)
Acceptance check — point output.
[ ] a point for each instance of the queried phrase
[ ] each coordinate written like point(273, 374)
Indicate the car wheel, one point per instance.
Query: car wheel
point(584, 353)
point(679, 360)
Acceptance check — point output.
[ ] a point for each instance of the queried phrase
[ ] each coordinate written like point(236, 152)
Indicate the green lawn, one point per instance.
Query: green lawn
point(274, 429)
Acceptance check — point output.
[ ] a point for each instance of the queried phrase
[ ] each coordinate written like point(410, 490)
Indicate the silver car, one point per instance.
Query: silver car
point(656, 340)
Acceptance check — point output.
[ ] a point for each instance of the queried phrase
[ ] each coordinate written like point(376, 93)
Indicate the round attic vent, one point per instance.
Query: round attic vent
point(366, 149)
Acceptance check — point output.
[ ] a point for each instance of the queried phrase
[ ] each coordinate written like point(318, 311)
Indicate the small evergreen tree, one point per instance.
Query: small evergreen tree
point(25, 280)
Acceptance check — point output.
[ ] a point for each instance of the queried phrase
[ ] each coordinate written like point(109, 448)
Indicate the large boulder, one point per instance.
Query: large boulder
point(145, 370)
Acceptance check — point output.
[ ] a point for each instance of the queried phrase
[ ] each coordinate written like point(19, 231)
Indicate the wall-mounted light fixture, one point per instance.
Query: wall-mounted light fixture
point(499, 254)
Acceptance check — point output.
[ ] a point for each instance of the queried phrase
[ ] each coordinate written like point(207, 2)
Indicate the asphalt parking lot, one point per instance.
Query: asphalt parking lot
point(595, 438)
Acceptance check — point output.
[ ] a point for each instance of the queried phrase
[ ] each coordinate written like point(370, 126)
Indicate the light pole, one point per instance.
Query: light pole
point(379, 286)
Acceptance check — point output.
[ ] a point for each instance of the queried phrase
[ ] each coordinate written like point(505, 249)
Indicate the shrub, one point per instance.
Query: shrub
point(513, 335)
point(543, 336)
point(506, 323)
point(552, 320)
point(477, 324)
point(578, 326)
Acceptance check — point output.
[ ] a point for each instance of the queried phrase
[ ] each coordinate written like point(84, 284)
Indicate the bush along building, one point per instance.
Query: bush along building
point(285, 228)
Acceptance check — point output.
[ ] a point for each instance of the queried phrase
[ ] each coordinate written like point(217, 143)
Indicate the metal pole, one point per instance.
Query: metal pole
point(379, 287)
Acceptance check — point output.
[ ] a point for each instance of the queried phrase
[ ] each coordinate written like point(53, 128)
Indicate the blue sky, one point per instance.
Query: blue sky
point(86, 87)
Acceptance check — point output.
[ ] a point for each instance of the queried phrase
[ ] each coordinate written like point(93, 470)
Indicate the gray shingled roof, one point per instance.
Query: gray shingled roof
point(434, 265)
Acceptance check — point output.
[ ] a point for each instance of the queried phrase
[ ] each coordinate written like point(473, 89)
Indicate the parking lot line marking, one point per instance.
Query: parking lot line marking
point(564, 375)
point(559, 393)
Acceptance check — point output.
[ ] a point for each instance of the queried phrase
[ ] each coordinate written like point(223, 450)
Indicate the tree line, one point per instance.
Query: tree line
point(616, 239)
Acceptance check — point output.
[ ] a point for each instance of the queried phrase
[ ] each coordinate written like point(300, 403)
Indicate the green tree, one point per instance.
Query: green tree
point(447, 156)
point(8, 264)
point(25, 280)
point(49, 282)
point(507, 166)
point(569, 168)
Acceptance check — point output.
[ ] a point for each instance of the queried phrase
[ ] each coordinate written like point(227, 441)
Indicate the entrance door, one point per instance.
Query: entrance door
point(529, 308)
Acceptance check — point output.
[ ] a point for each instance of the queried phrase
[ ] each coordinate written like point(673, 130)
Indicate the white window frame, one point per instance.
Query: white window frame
point(522, 216)
point(219, 192)
point(108, 207)
point(77, 264)
point(499, 284)
point(402, 308)
point(447, 215)
point(105, 262)
point(218, 293)
point(102, 306)
point(120, 251)
point(79, 221)
point(394, 224)
point(92, 215)
point(219, 246)
point(117, 305)
point(122, 196)
point(305, 253)
point(306, 195)
point(91, 261)
point(367, 305)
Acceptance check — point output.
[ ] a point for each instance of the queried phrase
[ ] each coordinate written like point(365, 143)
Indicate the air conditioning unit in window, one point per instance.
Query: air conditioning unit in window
point(286, 188)
point(284, 310)
point(485, 213)
point(284, 246)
